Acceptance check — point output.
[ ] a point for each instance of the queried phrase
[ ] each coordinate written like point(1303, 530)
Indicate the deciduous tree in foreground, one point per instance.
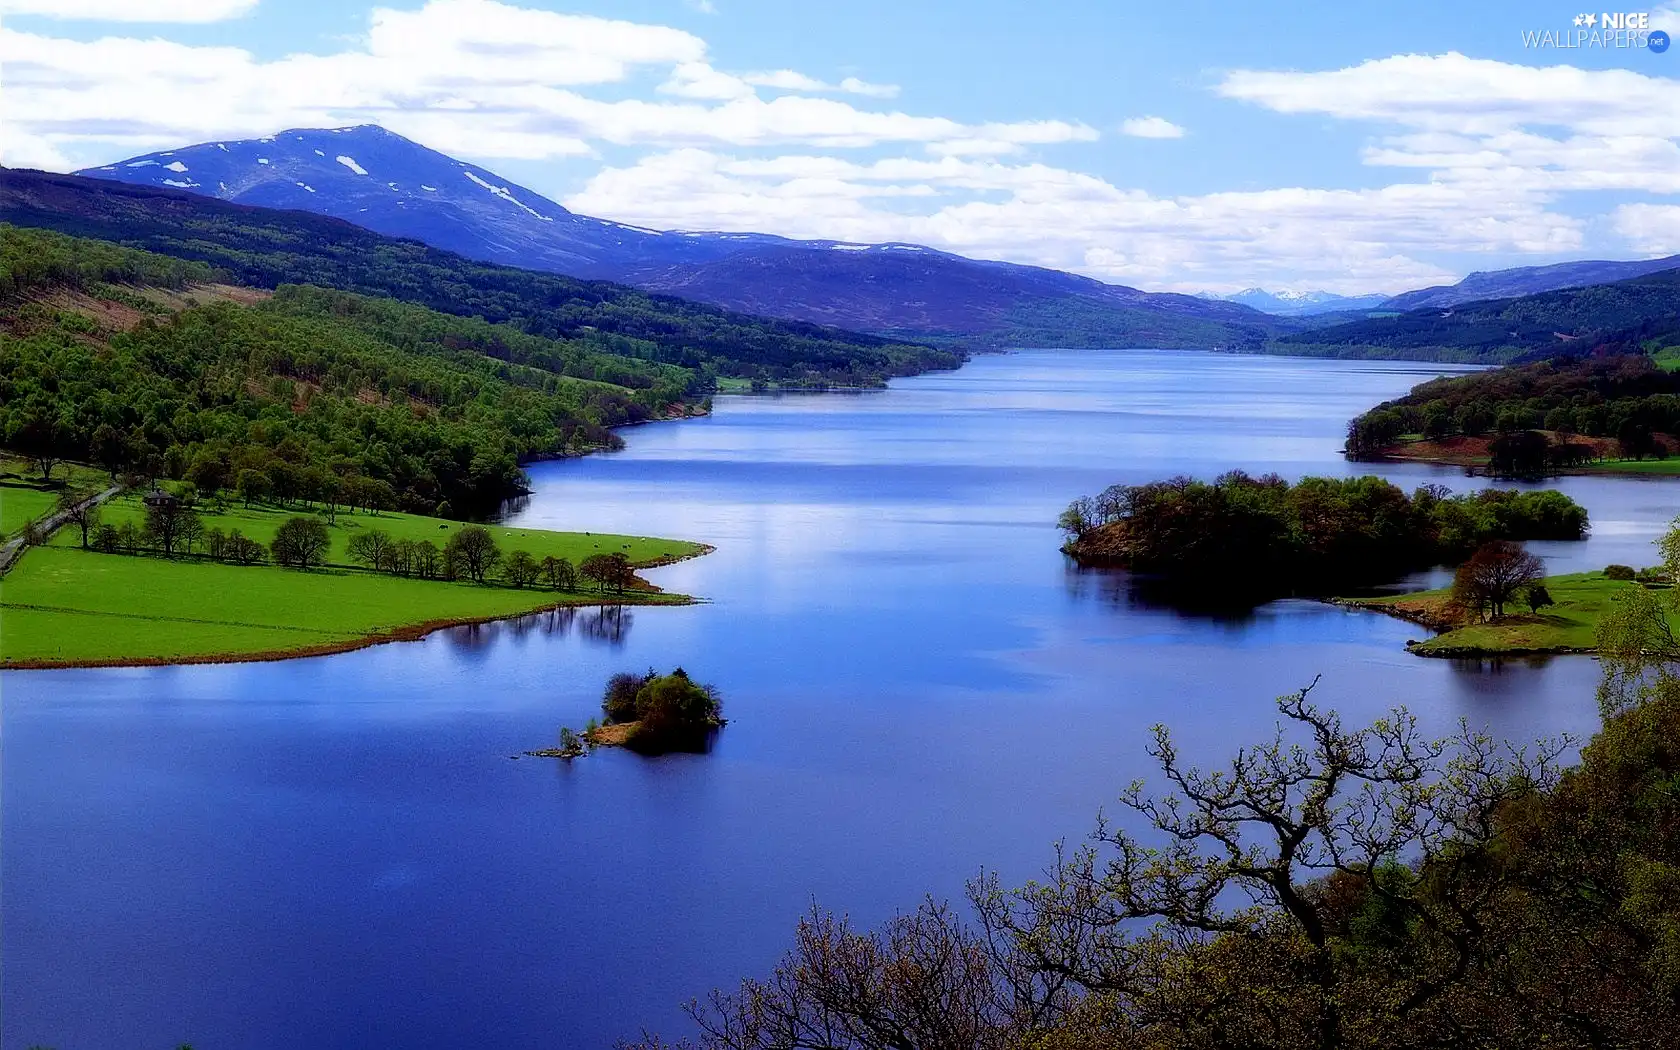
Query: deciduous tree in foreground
point(1328, 888)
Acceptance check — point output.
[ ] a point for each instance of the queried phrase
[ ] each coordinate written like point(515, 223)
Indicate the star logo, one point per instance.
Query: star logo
point(1580, 20)
point(1592, 20)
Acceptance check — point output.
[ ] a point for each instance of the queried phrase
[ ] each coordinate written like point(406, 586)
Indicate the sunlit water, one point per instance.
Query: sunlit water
point(338, 852)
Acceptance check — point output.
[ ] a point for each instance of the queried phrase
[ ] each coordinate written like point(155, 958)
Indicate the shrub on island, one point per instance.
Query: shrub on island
point(654, 713)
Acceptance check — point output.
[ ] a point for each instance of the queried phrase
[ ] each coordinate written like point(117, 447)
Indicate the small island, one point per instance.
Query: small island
point(649, 713)
point(1255, 539)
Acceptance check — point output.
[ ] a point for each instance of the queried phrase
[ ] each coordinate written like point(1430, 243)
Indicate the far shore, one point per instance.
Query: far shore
point(1472, 454)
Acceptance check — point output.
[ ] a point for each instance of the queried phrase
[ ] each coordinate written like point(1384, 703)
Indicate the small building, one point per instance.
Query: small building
point(159, 498)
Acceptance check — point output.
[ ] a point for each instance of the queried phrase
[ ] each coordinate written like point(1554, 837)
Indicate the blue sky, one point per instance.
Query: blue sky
point(1185, 146)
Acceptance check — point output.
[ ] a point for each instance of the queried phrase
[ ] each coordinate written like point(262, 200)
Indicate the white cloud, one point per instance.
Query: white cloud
point(1482, 152)
point(1455, 93)
point(477, 76)
point(705, 7)
point(854, 86)
point(1651, 228)
point(1151, 128)
point(132, 10)
point(1344, 240)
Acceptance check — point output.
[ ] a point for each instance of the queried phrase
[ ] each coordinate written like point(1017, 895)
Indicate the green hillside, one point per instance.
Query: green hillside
point(266, 248)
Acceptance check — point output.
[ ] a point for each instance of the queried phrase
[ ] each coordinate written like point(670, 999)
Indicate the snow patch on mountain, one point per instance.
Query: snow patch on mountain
point(350, 162)
point(502, 192)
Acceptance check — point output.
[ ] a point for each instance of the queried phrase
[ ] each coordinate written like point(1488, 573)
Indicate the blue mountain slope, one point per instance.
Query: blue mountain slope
point(388, 184)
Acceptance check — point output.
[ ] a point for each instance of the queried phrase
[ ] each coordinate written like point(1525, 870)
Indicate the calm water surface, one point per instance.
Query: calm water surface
point(338, 852)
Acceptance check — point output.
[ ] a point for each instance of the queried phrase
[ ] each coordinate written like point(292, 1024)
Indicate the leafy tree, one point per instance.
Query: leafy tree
point(254, 487)
point(473, 551)
point(209, 471)
point(300, 542)
point(1536, 597)
point(426, 560)
point(242, 550)
point(520, 569)
point(618, 703)
point(42, 436)
point(1498, 572)
point(370, 547)
point(108, 448)
point(80, 509)
point(191, 531)
point(608, 571)
point(107, 540)
point(1329, 888)
point(675, 711)
point(1520, 454)
point(169, 523)
point(1636, 441)
point(559, 574)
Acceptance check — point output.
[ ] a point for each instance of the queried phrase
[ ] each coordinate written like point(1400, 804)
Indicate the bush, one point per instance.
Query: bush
point(1619, 572)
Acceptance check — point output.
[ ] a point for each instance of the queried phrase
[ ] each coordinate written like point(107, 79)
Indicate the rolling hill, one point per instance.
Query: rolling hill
point(389, 184)
point(266, 248)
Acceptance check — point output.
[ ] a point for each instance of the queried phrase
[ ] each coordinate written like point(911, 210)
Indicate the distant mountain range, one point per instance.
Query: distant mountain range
point(386, 183)
point(391, 185)
point(1300, 304)
point(1528, 280)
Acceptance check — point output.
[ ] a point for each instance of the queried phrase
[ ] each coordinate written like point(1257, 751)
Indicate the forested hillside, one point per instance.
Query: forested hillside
point(1623, 397)
point(265, 248)
point(1643, 312)
point(307, 392)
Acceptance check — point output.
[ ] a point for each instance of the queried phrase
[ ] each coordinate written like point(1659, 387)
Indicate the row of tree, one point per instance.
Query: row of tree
point(174, 527)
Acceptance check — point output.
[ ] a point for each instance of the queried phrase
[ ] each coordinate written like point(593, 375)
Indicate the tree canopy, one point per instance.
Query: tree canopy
point(1264, 536)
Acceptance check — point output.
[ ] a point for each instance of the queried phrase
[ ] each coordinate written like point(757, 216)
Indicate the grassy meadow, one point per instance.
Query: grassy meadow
point(23, 497)
point(260, 522)
point(1571, 624)
point(63, 606)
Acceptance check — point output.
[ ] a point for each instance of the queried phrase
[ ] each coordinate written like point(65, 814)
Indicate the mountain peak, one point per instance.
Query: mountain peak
point(384, 182)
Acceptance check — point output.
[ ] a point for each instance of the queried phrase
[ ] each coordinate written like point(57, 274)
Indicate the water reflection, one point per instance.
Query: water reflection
point(609, 624)
point(917, 685)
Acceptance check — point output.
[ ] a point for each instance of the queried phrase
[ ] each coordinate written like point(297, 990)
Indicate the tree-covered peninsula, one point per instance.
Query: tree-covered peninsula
point(1617, 412)
point(1264, 537)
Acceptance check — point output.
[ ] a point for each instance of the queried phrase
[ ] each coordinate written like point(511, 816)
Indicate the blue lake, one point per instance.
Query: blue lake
point(338, 852)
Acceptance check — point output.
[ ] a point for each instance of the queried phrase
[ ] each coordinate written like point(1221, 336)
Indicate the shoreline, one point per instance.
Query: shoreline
point(1450, 652)
point(403, 633)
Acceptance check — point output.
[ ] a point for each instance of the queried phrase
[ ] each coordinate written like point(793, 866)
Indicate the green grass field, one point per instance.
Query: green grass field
point(22, 504)
point(63, 605)
point(1572, 623)
point(23, 497)
point(1670, 465)
point(259, 523)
